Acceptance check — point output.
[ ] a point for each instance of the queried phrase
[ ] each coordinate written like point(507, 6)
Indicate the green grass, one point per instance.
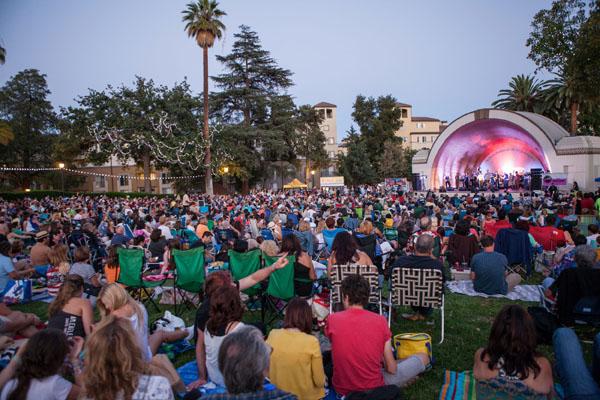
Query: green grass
point(468, 321)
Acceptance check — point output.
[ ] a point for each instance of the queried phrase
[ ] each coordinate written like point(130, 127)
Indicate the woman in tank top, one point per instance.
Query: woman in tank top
point(69, 312)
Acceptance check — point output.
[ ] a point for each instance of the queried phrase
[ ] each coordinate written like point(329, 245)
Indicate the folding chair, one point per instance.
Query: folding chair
point(280, 288)
point(417, 287)
point(369, 272)
point(189, 273)
point(329, 236)
point(131, 263)
point(390, 233)
point(242, 265)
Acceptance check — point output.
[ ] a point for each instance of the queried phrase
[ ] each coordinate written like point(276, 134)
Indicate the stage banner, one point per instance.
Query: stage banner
point(558, 179)
point(401, 183)
point(332, 181)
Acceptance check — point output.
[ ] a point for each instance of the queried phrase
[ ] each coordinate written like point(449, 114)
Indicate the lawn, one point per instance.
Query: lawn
point(468, 321)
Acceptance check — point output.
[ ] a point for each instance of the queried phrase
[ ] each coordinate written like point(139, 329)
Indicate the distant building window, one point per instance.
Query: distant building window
point(329, 113)
point(420, 125)
point(417, 139)
point(322, 113)
point(100, 182)
point(404, 113)
point(325, 128)
point(331, 154)
point(123, 180)
point(163, 178)
point(424, 139)
point(330, 141)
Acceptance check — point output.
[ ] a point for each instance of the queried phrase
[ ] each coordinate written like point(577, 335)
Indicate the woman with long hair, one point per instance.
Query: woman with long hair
point(510, 358)
point(462, 245)
point(37, 372)
point(296, 361)
point(112, 268)
point(226, 313)
point(304, 272)
point(115, 367)
point(345, 251)
point(70, 312)
point(114, 300)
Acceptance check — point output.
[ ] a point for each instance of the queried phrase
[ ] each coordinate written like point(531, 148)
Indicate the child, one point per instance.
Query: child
point(59, 267)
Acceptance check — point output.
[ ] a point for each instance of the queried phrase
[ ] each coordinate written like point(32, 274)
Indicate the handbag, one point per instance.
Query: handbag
point(408, 344)
point(17, 292)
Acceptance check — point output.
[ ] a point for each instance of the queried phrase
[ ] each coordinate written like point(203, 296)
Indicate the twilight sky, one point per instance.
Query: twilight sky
point(445, 58)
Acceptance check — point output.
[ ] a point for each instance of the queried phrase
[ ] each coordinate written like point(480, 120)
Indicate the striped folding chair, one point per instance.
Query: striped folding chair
point(418, 287)
point(369, 272)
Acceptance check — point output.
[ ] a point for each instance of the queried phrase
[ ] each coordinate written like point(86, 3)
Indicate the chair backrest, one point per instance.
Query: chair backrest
point(131, 262)
point(244, 264)
point(420, 287)
point(329, 236)
point(189, 265)
point(369, 272)
point(281, 281)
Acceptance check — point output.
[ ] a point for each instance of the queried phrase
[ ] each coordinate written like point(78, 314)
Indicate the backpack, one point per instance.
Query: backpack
point(545, 324)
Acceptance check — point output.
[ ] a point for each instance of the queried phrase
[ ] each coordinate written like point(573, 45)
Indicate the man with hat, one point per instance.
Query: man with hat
point(39, 252)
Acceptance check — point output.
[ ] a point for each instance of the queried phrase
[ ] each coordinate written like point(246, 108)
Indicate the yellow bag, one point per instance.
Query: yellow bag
point(407, 344)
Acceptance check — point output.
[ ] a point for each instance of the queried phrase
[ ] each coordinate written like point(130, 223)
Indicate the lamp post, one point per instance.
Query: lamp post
point(313, 178)
point(61, 166)
point(225, 172)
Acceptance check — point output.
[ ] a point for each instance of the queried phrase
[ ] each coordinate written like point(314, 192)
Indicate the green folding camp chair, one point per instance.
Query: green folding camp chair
point(131, 263)
point(280, 288)
point(390, 233)
point(189, 274)
point(242, 265)
point(359, 212)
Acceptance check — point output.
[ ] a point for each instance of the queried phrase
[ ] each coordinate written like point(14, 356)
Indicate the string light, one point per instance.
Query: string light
point(90, 173)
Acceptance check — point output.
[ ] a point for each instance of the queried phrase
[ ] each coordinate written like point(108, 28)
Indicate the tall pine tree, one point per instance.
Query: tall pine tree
point(254, 100)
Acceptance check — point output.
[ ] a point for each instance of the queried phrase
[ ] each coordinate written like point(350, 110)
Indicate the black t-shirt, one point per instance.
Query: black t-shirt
point(413, 261)
point(157, 248)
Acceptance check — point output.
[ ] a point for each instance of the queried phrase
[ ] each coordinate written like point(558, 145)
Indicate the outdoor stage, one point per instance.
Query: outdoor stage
point(493, 140)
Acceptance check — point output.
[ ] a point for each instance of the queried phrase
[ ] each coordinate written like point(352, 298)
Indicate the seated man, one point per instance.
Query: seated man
point(119, 238)
point(360, 341)
point(423, 258)
point(244, 362)
point(488, 270)
point(39, 253)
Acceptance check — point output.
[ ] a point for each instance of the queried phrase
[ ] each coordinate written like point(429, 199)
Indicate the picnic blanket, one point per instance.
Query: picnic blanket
point(458, 386)
point(189, 373)
point(521, 292)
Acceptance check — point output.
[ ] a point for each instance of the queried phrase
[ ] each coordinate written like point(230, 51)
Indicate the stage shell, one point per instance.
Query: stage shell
point(499, 140)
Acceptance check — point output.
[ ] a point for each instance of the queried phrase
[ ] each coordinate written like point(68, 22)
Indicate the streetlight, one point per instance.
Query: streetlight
point(225, 172)
point(313, 178)
point(61, 166)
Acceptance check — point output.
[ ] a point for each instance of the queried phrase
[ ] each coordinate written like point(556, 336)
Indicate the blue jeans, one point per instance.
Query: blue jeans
point(578, 381)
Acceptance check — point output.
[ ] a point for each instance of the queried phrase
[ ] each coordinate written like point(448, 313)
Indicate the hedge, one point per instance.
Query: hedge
point(40, 194)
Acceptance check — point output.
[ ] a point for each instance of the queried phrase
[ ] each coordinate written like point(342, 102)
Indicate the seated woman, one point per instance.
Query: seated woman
point(58, 269)
point(213, 282)
point(81, 267)
point(304, 272)
point(114, 300)
point(510, 365)
point(111, 268)
point(345, 251)
point(462, 245)
point(69, 312)
point(35, 374)
point(126, 376)
point(296, 361)
point(226, 313)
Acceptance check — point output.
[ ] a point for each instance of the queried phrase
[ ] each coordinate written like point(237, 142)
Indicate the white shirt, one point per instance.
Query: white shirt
point(212, 345)
point(166, 232)
point(54, 387)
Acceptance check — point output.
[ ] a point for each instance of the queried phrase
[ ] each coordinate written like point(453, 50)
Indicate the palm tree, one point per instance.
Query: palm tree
point(560, 99)
point(202, 22)
point(524, 94)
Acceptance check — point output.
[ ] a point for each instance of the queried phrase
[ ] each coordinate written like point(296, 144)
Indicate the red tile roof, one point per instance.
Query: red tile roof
point(424, 119)
point(324, 104)
point(403, 105)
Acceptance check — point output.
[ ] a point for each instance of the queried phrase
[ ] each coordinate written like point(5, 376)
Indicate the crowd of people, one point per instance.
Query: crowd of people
point(70, 246)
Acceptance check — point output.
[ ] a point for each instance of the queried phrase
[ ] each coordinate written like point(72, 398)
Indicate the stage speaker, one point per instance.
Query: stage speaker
point(416, 181)
point(536, 178)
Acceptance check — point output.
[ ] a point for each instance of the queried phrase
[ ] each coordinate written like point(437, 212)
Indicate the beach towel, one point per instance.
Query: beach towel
point(458, 386)
point(521, 292)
